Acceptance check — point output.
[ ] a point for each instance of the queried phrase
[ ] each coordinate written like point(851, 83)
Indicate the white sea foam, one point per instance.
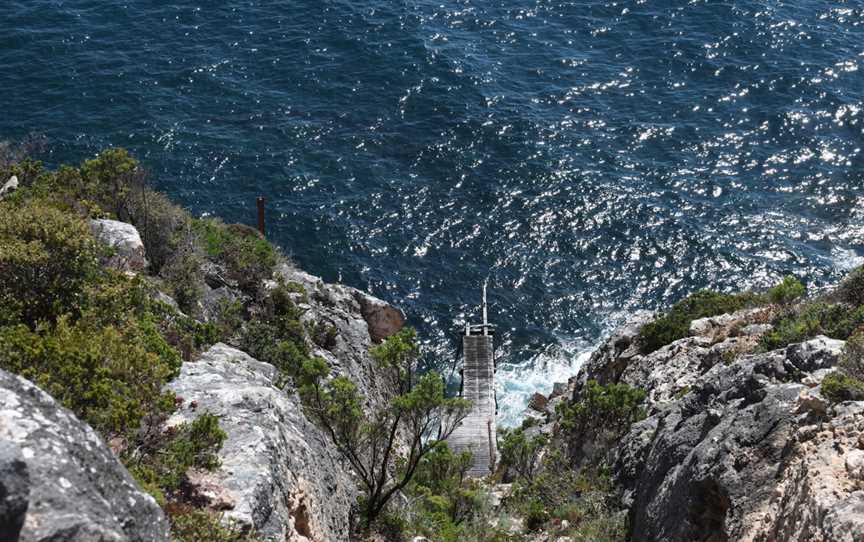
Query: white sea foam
point(846, 259)
point(515, 384)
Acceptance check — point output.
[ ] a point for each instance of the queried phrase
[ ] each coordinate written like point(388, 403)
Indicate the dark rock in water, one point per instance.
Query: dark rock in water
point(538, 402)
point(58, 476)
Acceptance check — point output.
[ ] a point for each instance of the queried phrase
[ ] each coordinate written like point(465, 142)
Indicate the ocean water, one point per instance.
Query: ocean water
point(587, 158)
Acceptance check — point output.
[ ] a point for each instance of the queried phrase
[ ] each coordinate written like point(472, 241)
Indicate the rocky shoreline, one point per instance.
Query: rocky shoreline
point(733, 426)
point(740, 446)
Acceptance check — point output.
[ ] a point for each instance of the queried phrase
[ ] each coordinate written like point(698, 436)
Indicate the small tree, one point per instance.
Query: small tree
point(402, 432)
point(521, 452)
point(852, 360)
point(788, 290)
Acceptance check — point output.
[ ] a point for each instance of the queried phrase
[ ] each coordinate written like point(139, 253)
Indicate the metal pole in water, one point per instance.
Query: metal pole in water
point(261, 215)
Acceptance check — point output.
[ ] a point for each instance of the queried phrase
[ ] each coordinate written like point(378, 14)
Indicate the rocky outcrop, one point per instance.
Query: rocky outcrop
point(737, 444)
point(59, 481)
point(9, 186)
point(356, 329)
point(125, 242)
point(279, 474)
point(382, 318)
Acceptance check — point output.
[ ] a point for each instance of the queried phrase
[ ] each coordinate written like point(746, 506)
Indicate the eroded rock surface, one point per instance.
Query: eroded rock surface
point(59, 482)
point(356, 328)
point(124, 240)
point(9, 186)
point(737, 444)
point(279, 473)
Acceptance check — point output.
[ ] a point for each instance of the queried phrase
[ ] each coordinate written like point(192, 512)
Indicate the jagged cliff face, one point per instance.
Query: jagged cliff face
point(735, 445)
point(279, 476)
point(58, 479)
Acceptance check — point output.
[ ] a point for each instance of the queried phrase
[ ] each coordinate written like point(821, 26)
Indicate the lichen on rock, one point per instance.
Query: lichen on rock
point(58, 479)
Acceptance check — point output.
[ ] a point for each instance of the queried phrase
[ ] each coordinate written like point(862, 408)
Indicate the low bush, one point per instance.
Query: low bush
point(247, 257)
point(851, 289)
point(443, 497)
point(47, 257)
point(675, 324)
point(111, 377)
point(323, 334)
point(611, 408)
point(839, 387)
point(852, 359)
point(787, 291)
point(160, 464)
point(585, 499)
point(184, 277)
point(189, 524)
point(837, 321)
point(520, 453)
point(598, 419)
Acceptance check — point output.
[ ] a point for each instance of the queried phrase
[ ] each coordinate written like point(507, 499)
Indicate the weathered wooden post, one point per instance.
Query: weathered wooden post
point(261, 216)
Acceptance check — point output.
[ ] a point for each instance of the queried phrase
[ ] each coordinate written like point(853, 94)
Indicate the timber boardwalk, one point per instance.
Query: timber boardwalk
point(477, 432)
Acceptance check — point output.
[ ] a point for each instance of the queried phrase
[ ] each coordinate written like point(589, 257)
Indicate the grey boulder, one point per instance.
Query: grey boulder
point(124, 240)
point(9, 186)
point(279, 474)
point(59, 481)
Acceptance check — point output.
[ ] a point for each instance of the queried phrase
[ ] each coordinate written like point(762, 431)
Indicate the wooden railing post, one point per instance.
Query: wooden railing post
point(261, 216)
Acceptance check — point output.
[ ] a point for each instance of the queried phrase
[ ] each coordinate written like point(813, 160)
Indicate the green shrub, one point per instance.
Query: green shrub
point(47, 257)
point(183, 275)
point(248, 259)
point(585, 499)
point(675, 324)
point(111, 377)
point(165, 228)
point(192, 525)
point(838, 387)
point(852, 360)
point(837, 321)
point(612, 408)
point(787, 291)
point(160, 465)
point(444, 497)
point(264, 341)
point(323, 334)
point(297, 288)
point(520, 453)
point(851, 290)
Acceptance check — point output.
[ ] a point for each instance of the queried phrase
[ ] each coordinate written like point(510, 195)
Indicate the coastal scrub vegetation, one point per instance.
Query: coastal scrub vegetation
point(395, 438)
point(101, 341)
point(846, 383)
point(837, 315)
point(675, 324)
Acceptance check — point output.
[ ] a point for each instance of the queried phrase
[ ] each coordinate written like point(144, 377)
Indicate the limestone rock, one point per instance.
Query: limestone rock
point(14, 490)
point(339, 306)
point(125, 241)
point(60, 478)
point(279, 473)
point(9, 186)
point(818, 353)
point(737, 445)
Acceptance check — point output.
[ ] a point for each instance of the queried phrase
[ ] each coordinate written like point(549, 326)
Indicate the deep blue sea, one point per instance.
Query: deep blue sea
point(588, 158)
